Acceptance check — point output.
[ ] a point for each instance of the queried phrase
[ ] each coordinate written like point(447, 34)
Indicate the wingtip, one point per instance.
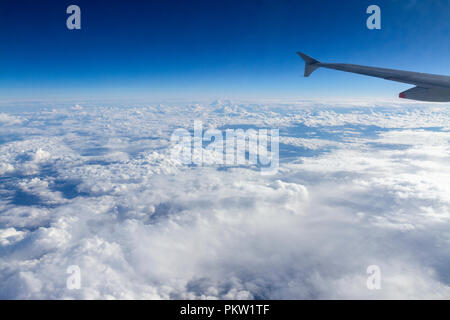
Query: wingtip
point(311, 64)
point(302, 55)
point(307, 58)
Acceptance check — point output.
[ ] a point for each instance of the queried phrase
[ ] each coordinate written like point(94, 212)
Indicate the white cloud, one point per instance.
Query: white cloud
point(6, 119)
point(97, 187)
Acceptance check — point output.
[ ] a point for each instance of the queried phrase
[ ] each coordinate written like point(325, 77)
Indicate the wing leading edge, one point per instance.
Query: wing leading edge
point(429, 87)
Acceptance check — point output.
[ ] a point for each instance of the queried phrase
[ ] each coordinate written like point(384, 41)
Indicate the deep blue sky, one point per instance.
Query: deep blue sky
point(196, 49)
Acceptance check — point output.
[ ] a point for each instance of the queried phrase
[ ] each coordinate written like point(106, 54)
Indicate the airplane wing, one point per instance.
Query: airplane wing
point(429, 87)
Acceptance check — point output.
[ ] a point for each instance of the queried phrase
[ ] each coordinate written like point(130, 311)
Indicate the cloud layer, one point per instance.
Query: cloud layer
point(359, 184)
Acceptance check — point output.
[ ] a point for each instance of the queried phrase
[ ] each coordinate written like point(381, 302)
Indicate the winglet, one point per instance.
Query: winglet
point(310, 63)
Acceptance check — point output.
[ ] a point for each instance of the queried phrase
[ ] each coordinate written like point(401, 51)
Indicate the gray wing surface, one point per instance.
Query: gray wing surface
point(429, 87)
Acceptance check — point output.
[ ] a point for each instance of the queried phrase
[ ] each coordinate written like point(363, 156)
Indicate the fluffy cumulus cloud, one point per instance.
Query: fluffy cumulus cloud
point(359, 184)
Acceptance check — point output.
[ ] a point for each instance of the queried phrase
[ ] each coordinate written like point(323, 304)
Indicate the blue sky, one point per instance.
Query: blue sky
point(202, 49)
